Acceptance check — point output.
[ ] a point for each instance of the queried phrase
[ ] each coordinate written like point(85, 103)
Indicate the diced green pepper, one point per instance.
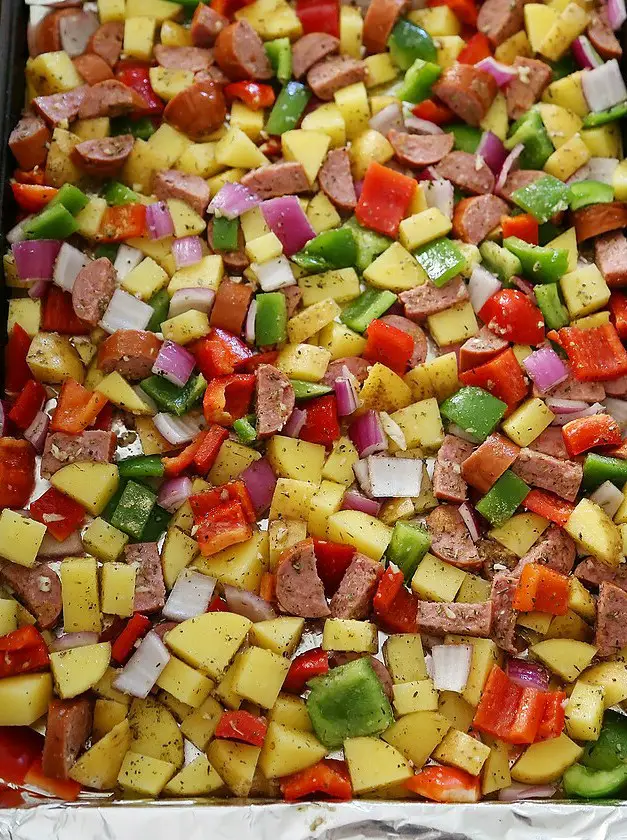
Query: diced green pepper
point(330, 249)
point(112, 504)
point(225, 233)
point(369, 305)
point(52, 223)
point(160, 303)
point(409, 42)
point(583, 193)
point(547, 232)
point(116, 193)
point(307, 390)
point(610, 749)
point(587, 783)
point(419, 78)
point(563, 67)
point(288, 108)
point(467, 137)
point(369, 244)
point(141, 466)
point(408, 546)
point(530, 131)
point(170, 397)
point(475, 411)
point(108, 250)
point(157, 524)
point(244, 428)
point(596, 118)
point(551, 306)
point(71, 198)
point(133, 510)
point(598, 469)
point(540, 264)
point(543, 198)
point(348, 702)
point(441, 260)
point(279, 53)
point(142, 129)
point(501, 501)
point(499, 261)
point(271, 319)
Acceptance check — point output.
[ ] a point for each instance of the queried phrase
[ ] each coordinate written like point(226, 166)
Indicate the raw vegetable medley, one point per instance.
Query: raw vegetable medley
point(318, 317)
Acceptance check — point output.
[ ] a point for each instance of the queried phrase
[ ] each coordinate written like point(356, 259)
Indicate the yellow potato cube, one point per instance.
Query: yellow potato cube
point(569, 24)
point(327, 119)
point(438, 21)
point(24, 699)
point(186, 327)
point(206, 274)
point(237, 149)
point(594, 531)
point(111, 10)
point(404, 657)
point(496, 774)
point(416, 735)
point(117, 583)
point(461, 750)
point(350, 635)
point(538, 21)
point(230, 176)
point(240, 565)
point(161, 10)
point(20, 538)
point(184, 683)
point(580, 600)
point(235, 764)
point(52, 359)
point(253, 224)
point(339, 465)
point(418, 696)
point(351, 28)
point(421, 424)
point(103, 540)
point(144, 774)
point(367, 534)
point(305, 324)
point(515, 45)
point(340, 341)
point(395, 269)
point(79, 587)
point(232, 460)
point(199, 726)
point(291, 499)
point(520, 532)
point(326, 501)
point(283, 534)
point(584, 711)
point(174, 35)
point(449, 47)
point(168, 144)
point(167, 82)
point(272, 19)
point(435, 580)
point(442, 374)
point(247, 120)
point(529, 420)
point(264, 248)
point(26, 313)
point(78, 669)
point(291, 711)
point(368, 146)
point(561, 125)
point(379, 69)
point(373, 764)
point(288, 750)
point(570, 157)
point(294, 458)
point(199, 159)
point(303, 361)
point(280, 635)
point(195, 779)
point(89, 483)
point(307, 147)
point(120, 393)
point(539, 622)
point(567, 658)
point(52, 72)
point(139, 36)
point(186, 221)
point(567, 241)
point(546, 761)
point(383, 390)
point(145, 280)
point(353, 104)
point(260, 675)
point(584, 290)
point(423, 227)
point(8, 616)
point(473, 590)
point(321, 214)
point(341, 284)
point(456, 710)
point(568, 93)
point(485, 654)
point(453, 325)
point(604, 141)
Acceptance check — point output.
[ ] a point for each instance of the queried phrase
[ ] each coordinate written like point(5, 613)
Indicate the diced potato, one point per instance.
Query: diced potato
point(24, 699)
point(456, 710)
point(567, 241)
point(595, 532)
point(233, 458)
point(383, 390)
point(349, 635)
point(8, 616)
point(379, 70)
point(118, 589)
point(186, 327)
point(52, 359)
point(111, 10)
point(139, 37)
point(538, 21)
point(20, 538)
point(79, 587)
point(373, 763)
point(421, 424)
point(78, 669)
point(303, 361)
point(237, 149)
point(369, 145)
point(199, 726)
point(107, 715)
point(287, 751)
point(546, 761)
point(186, 220)
point(264, 248)
point(496, 774)
point(604, 141)
point(591, 321)
point(272, 19)
point(569, 626)
point(179, 551)
point(560, 124)
point(419, 696)
point(568, 93)
point(98, 768)
point(26, 313)
point(321, 214)
point(235, 764)
point(308, 148)
point(52, 72)
point(225, 692)
point(291, 711)
point(280, 635)
point(245, 119)
point(209, 641)
point(461, 750)
point(145, 280)
point(240, 565)
point(167, 82)
point(155, 731)
point(161, 10)
point(260, 675)
point(195, 779)
point(612, 677)
point(341, 284)
point(416, 735)
point(438, 21)
point(351, 28)
point(339, 464)
point(328, 119)
point(520, 532)
point(449, 47)
point(404, 657)
point(485, 654)
point(120, 393)
point(174, 35)
point(539, 622)
point(584, 290)
point(567, 658)
point(516, 45)
point(580, 600)
point(366, 533)
point(326, 501)
point(584, 711)
point(353, 104)
point(230, 176)
point(104, 688)
point(89, 483)
point(291, 499)
point(184, 683)
point(570, 157)
point(453, 325)
point(423, 227)
point(305, 324)
point(396, 269)
point(205, 274)
point(199, 159)
point(294, 458)
point(143, 774)
point(283, 534)
point(569, 24)
point(442, 374)
point(435, 580)
point(528, 421)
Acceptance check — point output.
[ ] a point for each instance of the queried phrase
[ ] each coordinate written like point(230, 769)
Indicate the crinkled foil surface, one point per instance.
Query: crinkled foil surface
point(358, 820)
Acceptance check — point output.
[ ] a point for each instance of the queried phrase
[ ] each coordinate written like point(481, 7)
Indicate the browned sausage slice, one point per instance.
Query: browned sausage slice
point(450, 539)
point(610, 254)
point(278, 179)
point(239, 51)
point(448, 483)
point(467, 90)
point(293, 297)
point(93, 68)
point(483, 467)
point(131, 353)
point(231, 305)
point(504, 616)
point(67, 728)
point(335, 72)
point(379, 22)
point(420, 339)
point(500, 19)
point(353, 599)
point(192, 189)
point(525, 89)
point(468, 172)
point(184, 58)
point(93, 289)
point(106, 99)
point(420, 149)
point(38, 588)
point(474, 218)
point(357, 366)
point(461, 619)
point(105, 156)
point(540, 470)
point(59, 107)
point(61, 449)
point(601, 36)
point(556, 549)
point(149, 584)
point(480, 349)
point(428, 299)
point(275, 400)
point(234, 261)
point(47, 34)
point(198, 110)
point(310, 49)
point(611, 627)
point(107, 41)
point(28, 141)
point(299, 590)
point(336, 180)
point(599, 218)
point(206, 25)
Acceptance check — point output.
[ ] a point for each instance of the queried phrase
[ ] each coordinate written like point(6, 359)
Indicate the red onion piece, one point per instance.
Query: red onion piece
point(558, 406)
point(142, 670)
point(38, 289)
point(517, 791)
point(248, 604)
point(525, 673)
point(367, 434)
point(73, 640)
point(174, 492)
point(187, 251)
point(511, 162)
point(451, 666)
point(232, 200)
point(195, 298)
point(584, 53)
point(525, 287)
point(174, 363)
point(354, 500)
point(501, 73)
point(125, 312)
point(467, 513)
point(588, 411)
point(360, 468)
point(346, 396)
point(295, 422)
point(190, 595)
point(34, 259)
point(287, 220)
point(37, 431)
point(260, 482)
point(545, 368)
point(159, 221)
point(616, 13)
point(492, 150)
point(388, 118)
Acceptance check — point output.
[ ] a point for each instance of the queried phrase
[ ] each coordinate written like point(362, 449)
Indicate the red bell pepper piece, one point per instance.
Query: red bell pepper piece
point(267, 587)
point(511, 315)
point(332, 560)
point(549, 506)
point(59, 316)
point(32, 197)
point(251, 364)
point(219, 353)
point(321, 424)
point(28, 403)
point(17, 371)
point(477, 48)
point(218, 604)
point(508, 711)
point(227, 398)
point(19, 747)
point(502, 376)
point(445, 784)
point(589, 432)
point(595, 354)
point(223, 526)
point(385, 199)
point(104, 419)
point(66, 789)
point(390, 585)
point(207, 452)
point(235, 491)
point(229, 7)
point(30, 176)
point(388, 345)
point(433, 111)
point(22, 651)
point(524, 226)
point(253, 94)
point(135, 629)
point(242, 726)
point(465, 10)
point(175, 464)
point(528, 717)
point(319, 16)
point(61, 514)
point(312, 663)
point(618, 313)
point(77, 408)
point(401, 615)
point(135, 75)
point(329, 777)
point(123, 221)
point(17, 472)
point(540, 589)
point(554, 715)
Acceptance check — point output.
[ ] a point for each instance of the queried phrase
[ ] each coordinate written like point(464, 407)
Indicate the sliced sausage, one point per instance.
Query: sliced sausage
point(334, 73)
point(194, 59)
point(299, 590)
point(500, 19)
point(474, 218)
point(106, 99)
point(495, 558)
point(610, 255)
point(525, 89)
point(239, 51)
point(234, 261)
point(601, 36)
point(28, 142)
point(461, 619)
point(357, 366)
point(92, 68)
point(419, 353)
point(105, 156)
point(504, 616)
point(293, 297)
point(149, 584)
point(310, 49)
point(38, 588)
point(420, 149)
point(107, 41)
point(599, 218)
point(450, 540)
point(336, 180)
point(67, 729)
point(488, 462)
point(379, 22)
point(275, 400)
point(131, 353)
point(611, 627)
point(555, 549)
point(518, 179)
point(212, 74)
point(206, 26)
point(61, 449)
point(468, 172)
point(198, 110)
point(594, 572)
point(353, 599)
point(284, 178)
point(52, 549)
point(616, 387)
point(551, 442)
point(231, 305)
point(448, 483)
point(573, 389)
point(482, 347)
point(93, 289)
point(540, 470)
point(47, 34)
point(192, 189)
point(164, 627)
point(59, 107)
point(429, 299)
point(467, 90)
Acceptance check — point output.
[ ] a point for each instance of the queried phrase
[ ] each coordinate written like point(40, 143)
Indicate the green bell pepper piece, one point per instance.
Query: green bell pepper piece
point(550, 304)
point(499, 261)
point(348, 702)
point(409, 42)
point(467, 137)
point(419, 78)
point(244, 428)
point(225, 233)
point(587, 783)
point(330, 249)
point(369, 305)
point(616, 112)
point(408, 546)
point(112, 504)
point(547, 232)
point(108, 250)
point(141, 466)
point(288, 108)
point(307, 390)
point(610, 749)
point(369, 244)
point(52, 223)
point(116, 193)
point(475, 411)
point(271, 319)
point(156, 526)
point(563, 67)
point(133, 509)
point(530, 131)
point(142, 129)
point(71, 198)
point(598, 469)
point(500, 502)
point(170, 397)
point(442, 260)
point(160, 303)
point(540, 264)
point(544, 198)
point(583, 193)
point(279, 53)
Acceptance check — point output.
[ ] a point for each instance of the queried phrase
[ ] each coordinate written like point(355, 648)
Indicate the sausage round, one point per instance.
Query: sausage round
point(500, 19)
point(599, 218)
point(231, 305)
point(467, 90)
point(357, 366)
point(419, 353)
point(107, 41)
point(480, 349)
point(284, 178)
point(275, 400)
point(450, 540)
point(518, 179)
point(310, 49)
point(75, 30)
point(335, 72)
point(474, 218)
point(39, 588)
point(468, 172)
point(28, 141)
point(493, 554)
point(192, 189)
point(92, 68)
point(206, 25)
point(93, 289)
point(420, 149)
point(336, 180)
point(522, 95)
point(58, 107)
point(67, 728)
point(299, 590)
point(47, 34)
point(184, 58)
point(106, 99)
point(131, 353)
point(379, 22)
point(239, 51)
point(601, 36)
point(104, 156)
point(198, 110)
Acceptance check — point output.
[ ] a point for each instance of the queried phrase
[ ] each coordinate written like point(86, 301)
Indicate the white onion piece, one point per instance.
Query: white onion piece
point(248, 604)
point(451, 667)
point(194, 298)
point(176, 430)
point(468, 515)
point(142, 670)
point(125, 312)
point(597, 169)
point(360, 468)
point(608, 497)
point(251, 318)
point(67, 266)
point(190, 595)
point(394, 478)
point(481, 286)
point(618, 410)
point(440, 193)
point(454, 429)
point(604, 86)
point(73, 640)
point(16, 234)
point(274, 274)
point(126, 260)
point(393, 430)
point(387, 118)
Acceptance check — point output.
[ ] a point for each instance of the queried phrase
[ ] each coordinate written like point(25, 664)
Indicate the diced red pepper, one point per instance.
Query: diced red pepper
point(229, 7)
point(329, 777)
point(17, 472)
point(305, 666)
point(511, 315)
point(32, 197)
point(136, 76)
point(401, 615)
point(253, 94)
point(508, 711)
point(22, 651)
point(66, 789)
point(104, 419)
point(445, 784)
point(235, 491)
point(17, 371)
point(223, 526)
point(433, 111)
point(550, 506)
point(122, 221)
point(385, 199)
point(30, 176)
point(251, 364)
point(242, 726)
point(540, 589)
point(502, 376)
point(136, 628)
point(227, 398)
point(528, 717)
point(59, 316)
point(595, 355)
point(524, 226)
point(77, 408)
point(477, 48)
point(586, 433)
point(319, 16)
point(19, 747)
point(175, 464)
point(267, 587)
point(618, 312)
point(61, 514)
point(553, 717)
point(321, 424)
point(389, 346)
point(28, 404)
point(218, 604)
point(465, 10)
point(389, 587)
point(219, 353)
point(332, 560)
point(210, 445)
